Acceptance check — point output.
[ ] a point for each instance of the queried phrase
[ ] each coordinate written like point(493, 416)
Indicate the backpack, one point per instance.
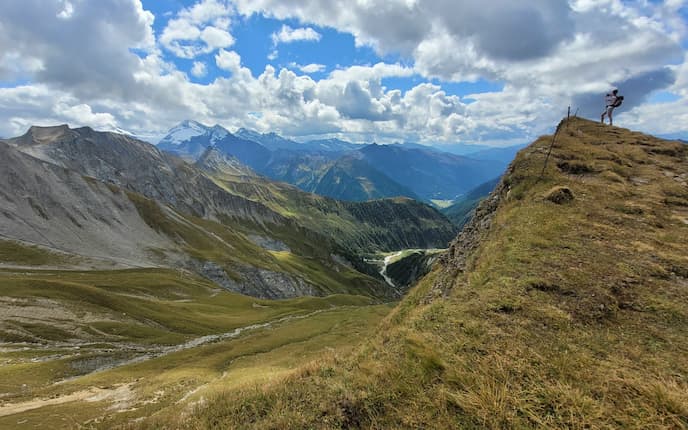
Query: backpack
point(619, 100)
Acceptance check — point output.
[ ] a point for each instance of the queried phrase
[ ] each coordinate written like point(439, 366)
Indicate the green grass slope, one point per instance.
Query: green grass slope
point(228, 245)
point(546, 313)
point(352, 179)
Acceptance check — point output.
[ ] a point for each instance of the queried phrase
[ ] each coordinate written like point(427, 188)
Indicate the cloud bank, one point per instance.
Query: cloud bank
point(544, 55)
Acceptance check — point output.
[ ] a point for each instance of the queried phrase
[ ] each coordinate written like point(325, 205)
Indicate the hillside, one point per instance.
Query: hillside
point(355, 180)
point(562, 304)
point(360, 227)
point(79, 348)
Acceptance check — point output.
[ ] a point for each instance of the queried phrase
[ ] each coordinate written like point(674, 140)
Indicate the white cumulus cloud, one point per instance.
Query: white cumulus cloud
point(289, 35)
point(199, 29)
point(199, 69)
point(311, 68)
point(539, 57)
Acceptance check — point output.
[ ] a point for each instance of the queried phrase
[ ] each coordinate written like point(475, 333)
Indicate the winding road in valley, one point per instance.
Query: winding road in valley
point(383, 271)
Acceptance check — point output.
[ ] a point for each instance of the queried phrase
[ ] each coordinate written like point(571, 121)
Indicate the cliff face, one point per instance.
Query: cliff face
point(456, 259)
point(563, 304)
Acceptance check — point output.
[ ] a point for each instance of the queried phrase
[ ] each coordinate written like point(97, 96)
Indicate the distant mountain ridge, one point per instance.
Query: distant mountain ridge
point(343, 170)
point(214, 160)
point(430, 174)
point(353, 179)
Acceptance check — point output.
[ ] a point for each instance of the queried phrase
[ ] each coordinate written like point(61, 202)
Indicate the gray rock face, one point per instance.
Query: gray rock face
point(275, 285)
point(212, 160)
point(58, 208)
point(257, 282)
point(268, 243)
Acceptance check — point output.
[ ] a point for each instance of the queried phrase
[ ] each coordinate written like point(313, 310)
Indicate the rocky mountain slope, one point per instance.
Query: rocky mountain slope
point(364, 227)
point(109, 199)
point(562, 304)
point(60, 209)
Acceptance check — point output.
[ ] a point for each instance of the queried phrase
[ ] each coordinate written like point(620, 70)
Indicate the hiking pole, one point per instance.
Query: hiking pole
point(554, 138)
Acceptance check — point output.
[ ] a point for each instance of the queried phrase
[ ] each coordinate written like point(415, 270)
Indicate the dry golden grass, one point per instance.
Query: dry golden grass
point(571, 316)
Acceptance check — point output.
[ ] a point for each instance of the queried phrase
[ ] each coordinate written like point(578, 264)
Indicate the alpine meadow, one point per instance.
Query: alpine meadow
point(398, 214)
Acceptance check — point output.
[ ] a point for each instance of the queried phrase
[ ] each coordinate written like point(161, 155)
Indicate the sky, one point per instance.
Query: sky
point(491, 72)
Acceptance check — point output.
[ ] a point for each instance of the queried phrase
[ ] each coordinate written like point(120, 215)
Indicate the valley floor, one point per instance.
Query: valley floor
point(105, 348)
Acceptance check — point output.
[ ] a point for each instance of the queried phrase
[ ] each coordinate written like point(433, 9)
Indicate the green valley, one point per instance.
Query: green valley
point(135, 285)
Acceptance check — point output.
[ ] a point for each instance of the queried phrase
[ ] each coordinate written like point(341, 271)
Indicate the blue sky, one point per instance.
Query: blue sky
point(438, 72)
point(334, 50)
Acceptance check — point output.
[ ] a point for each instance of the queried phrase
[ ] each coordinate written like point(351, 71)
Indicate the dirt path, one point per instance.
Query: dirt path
point(121, 396)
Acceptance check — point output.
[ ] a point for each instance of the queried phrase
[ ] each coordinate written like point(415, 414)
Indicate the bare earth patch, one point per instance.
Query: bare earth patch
point(121, 396)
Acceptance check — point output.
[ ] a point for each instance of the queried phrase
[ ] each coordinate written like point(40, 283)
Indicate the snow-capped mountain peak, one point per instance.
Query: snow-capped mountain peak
point(183, 132)
point(217, 132)
point(189, 139)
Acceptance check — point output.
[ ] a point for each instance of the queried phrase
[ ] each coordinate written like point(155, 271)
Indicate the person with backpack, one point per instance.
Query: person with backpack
point(612, 100)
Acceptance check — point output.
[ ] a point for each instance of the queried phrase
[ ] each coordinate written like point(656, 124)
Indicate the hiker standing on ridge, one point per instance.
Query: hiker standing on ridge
point(612, 100)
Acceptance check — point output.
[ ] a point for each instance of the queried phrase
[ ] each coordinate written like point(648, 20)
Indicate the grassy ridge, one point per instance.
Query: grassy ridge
point(568, 315)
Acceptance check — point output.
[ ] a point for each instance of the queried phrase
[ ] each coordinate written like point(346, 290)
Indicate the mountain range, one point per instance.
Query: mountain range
point(109, 200)
point(347, 171)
